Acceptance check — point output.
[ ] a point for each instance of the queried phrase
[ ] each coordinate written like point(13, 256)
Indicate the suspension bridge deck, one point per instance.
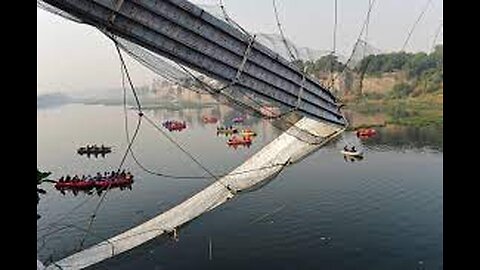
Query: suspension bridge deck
point(288, 148)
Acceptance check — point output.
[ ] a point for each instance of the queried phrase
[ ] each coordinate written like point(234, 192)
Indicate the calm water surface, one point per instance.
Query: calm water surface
point(382, 212)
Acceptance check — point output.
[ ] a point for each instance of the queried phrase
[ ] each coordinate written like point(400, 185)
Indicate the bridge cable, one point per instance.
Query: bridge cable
point(363, 69)
point(415, 24)
point(139, 122)
point(293, 58)
point(358, 39)
point(332, 59)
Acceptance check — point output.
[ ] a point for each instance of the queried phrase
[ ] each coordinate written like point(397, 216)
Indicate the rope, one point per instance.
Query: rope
point(415, 25)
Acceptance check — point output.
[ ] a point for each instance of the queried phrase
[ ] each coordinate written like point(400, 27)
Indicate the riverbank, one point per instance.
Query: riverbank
point(418, 111)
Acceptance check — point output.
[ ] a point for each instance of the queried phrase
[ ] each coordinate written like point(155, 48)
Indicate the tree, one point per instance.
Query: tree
point(42, 178)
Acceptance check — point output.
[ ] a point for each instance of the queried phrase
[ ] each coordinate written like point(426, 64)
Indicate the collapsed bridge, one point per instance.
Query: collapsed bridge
point(250, 73)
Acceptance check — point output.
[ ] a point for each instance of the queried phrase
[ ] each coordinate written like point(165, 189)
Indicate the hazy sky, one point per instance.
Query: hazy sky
point(76, 57)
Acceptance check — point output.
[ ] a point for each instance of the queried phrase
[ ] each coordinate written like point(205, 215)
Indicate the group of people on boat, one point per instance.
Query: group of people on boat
point(346, 149)
point(174, 125)
point(239, 137)
point(106, 176)
point(227, 130)
point(366, 132)
point(238, 119)
point(94, 149)
point(236, 141)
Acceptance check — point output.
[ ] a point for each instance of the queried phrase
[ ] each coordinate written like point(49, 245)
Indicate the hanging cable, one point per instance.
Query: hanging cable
point(334, 50)
point(358, 39)
point(139, 122)
point(279, 25)
point(415, 25)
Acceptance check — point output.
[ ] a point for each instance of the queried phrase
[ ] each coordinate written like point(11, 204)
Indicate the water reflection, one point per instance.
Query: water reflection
point(405, 137)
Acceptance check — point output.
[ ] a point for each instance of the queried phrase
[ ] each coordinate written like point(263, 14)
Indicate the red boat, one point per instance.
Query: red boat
point(119, 181)
point(238, 119)
point(367, 132)
point(82, 184)
point(235, 141)
point(174, 125)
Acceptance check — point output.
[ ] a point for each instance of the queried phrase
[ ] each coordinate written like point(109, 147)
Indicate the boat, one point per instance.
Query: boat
point(366, 132)
point(174, 125)
point(235, 141)
point(248, 133)
point(123, 181)
point(227, 131)
point(352, 153)
point(94, 150)
point(104, 182)
point(238, 119)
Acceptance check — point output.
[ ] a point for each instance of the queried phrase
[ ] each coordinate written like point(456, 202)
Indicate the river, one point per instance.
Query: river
point(325, 212)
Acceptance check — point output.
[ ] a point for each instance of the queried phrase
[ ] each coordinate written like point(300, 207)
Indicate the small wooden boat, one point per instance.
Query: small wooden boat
point(352, 153)
point(227, 131)
point(94, 150)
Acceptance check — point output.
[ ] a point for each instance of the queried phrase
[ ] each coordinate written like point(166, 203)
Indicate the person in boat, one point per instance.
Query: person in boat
point(353, 149)
point(99, 176)
point(345, 148)
point(61, 180)
point(68, 178)
point(122, 174)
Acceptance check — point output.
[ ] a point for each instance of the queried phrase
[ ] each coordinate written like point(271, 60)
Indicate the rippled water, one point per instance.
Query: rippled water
point(382, 212)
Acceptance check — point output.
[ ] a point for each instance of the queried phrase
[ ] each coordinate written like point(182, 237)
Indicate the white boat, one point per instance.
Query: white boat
point(350, 153)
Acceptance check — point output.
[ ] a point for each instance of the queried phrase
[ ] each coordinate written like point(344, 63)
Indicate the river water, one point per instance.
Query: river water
point(325, 212)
